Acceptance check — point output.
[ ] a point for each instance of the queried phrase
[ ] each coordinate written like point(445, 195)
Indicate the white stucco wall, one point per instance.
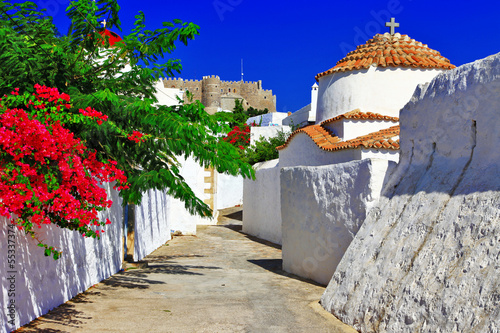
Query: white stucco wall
point(167, 96)
point(427, 257)
point(229, 191)
point(178, 216)
point(376, 89)
point(299, 117)
point(151, 226)
point(42, 283)
point(322, 209)
point(302, 150)
point(256, 133)
point(261, 202)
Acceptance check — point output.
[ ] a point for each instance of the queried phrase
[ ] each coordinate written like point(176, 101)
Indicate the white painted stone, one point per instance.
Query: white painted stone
point(427, 257)
point(261, 198)
point(229, 191)
point(302, 151)
point(322, 209)
point(376, 89)
point(151, 225)
point(42, 283)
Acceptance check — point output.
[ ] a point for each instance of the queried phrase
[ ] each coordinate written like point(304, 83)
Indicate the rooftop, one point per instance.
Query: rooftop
point(390, 51)
point(325, 140)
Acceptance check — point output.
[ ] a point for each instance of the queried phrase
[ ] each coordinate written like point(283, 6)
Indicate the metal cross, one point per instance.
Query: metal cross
point(393, 25)
point(103, 23)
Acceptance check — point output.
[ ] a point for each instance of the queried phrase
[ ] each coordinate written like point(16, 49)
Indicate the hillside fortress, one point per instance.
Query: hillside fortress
point(218, 95)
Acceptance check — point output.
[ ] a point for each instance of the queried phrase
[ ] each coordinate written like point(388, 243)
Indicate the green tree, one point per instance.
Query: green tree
point(264, 149)
point(118, 81)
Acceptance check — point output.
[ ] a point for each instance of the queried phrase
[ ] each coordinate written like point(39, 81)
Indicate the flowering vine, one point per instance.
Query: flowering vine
point(239, 136)
point(47, 175)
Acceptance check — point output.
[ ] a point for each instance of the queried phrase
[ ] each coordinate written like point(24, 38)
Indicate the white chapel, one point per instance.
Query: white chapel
point(359, 100)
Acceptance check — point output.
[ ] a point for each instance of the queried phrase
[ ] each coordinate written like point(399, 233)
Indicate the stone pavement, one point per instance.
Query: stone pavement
point(218, 281)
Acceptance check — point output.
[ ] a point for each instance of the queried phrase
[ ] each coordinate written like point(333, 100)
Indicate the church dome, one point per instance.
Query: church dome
point(380, 76)
point(391, 51)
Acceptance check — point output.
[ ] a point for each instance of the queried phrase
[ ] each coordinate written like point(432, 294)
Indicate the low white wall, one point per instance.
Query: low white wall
point(261, 202)
point(256, 133)
point(151, 226)
point(229, 191)
point(322, 209)
point(427, 258)
point(38, 283)
point(302, 151)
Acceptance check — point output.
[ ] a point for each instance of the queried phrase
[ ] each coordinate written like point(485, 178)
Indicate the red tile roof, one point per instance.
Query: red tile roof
point(382, 139)
point(390, 51)
point(358, 115)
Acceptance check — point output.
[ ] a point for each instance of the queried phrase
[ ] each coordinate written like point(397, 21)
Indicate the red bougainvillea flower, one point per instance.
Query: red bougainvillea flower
point(136, 136)
point(47, 175)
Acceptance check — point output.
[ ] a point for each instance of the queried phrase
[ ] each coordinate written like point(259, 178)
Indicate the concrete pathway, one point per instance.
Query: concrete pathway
point(218, 281)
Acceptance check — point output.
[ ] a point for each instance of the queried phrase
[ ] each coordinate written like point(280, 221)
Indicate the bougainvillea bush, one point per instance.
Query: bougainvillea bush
point(239, 136)
point(47, 175)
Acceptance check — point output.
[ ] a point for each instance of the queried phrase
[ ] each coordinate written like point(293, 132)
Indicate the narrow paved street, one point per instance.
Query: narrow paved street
point(218, 281)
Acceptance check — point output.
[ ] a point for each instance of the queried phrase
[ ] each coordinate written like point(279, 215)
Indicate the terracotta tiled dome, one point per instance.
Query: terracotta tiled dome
point(391, 51)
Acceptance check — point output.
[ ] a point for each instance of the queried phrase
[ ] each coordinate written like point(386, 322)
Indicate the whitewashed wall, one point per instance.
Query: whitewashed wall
point(302, 150)
point(300, 117)
point(178, 216)
point(42, 283)
point(229, 191)
point(261, 202)
point(256, 133)
point(151, 225)
point(427, 258)
point(322, 209)
point(384, 90)
point(167, 96)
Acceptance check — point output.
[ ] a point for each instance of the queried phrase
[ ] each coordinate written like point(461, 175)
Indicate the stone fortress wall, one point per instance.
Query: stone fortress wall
point(215, 93)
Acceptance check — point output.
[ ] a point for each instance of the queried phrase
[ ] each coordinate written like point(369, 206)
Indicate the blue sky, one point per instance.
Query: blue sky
point(285, 44)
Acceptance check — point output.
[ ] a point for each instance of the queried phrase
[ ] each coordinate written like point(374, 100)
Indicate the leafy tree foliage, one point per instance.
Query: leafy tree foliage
point(264, 149)
point(239, 115)
point(119, 82)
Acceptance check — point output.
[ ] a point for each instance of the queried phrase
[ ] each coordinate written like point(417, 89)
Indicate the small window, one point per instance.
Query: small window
point(229, 90)
point(234, 90)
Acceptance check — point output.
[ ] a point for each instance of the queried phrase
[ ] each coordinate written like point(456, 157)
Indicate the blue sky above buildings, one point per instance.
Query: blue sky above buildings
point(285, 44)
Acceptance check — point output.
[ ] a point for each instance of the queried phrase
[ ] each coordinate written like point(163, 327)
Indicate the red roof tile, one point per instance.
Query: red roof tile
point(382, 139)
point(357, 114)
point(391, 51)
